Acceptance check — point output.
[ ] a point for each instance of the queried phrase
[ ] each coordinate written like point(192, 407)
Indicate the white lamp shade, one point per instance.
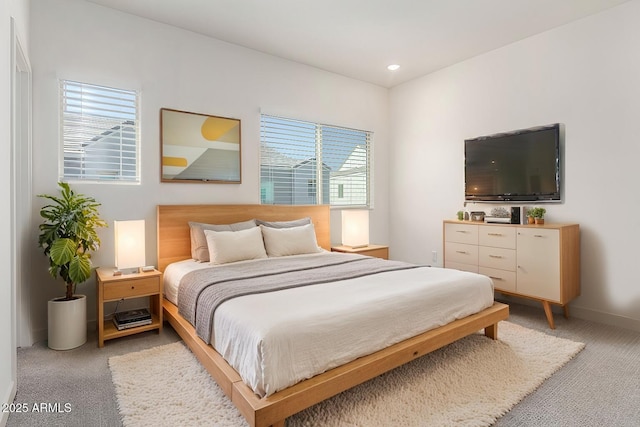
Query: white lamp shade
point(355, 228)
point(129, 238)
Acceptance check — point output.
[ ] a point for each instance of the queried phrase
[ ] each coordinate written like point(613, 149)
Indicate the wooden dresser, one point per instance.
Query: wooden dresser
point(540, 262)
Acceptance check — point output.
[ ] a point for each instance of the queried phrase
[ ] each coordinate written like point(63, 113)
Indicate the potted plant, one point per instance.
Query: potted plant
point(68, 235)
point(537, 214)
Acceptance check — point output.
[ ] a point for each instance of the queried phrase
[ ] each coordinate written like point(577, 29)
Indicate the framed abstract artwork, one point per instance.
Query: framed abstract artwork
point(199, 148)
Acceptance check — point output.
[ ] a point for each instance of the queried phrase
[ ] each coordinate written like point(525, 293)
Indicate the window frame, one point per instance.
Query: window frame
point(123, 120)
point(319, 144)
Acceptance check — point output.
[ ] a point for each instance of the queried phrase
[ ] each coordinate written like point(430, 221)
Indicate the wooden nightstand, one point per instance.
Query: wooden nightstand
point(378, 251)
point(115, 288)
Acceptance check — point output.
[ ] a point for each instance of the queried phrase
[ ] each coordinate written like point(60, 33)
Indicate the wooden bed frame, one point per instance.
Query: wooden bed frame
point(174, 245)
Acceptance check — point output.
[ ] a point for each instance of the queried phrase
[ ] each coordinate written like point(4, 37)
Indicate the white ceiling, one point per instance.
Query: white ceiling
point(359, 38)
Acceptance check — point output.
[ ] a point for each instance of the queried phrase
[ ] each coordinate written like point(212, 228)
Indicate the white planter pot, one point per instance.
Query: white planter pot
point(67, 323)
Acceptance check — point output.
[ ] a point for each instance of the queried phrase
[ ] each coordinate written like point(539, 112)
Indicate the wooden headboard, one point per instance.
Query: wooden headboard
point(174, 239)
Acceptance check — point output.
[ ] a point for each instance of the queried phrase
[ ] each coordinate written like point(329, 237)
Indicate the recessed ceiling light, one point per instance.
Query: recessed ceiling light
point(393, 67)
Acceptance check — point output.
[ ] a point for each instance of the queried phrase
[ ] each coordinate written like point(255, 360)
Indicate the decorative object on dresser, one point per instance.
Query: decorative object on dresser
point(378, 251)
point(502, 215)
point(516, 214)
point(68, 235)
point(537, 214)
point(121, 287)
point(477, 216)
point(498, 215)
point(540, 262)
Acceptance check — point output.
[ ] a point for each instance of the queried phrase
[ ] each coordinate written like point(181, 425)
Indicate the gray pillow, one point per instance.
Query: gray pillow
point(285, 224)
point(199, 248)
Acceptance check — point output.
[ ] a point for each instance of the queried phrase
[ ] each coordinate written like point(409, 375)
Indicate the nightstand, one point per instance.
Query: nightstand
point(378, 251)
point(115, 288)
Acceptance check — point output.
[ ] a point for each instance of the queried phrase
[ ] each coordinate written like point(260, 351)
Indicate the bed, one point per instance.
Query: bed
point(264, 406)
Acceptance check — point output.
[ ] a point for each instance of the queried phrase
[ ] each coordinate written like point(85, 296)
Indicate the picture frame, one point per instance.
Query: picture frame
point(201, 148)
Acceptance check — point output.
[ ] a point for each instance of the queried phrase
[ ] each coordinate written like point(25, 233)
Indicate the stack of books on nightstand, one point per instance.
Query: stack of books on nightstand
point(131, 318)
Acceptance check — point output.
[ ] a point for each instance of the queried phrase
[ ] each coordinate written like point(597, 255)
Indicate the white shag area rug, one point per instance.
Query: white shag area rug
point(471, 382)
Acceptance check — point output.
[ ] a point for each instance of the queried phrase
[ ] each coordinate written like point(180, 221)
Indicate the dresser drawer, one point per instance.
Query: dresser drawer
point(460, 252)
point(131, 288)
point(503, 259)
point(461, 233)
point(497, 237)
point(502, 280)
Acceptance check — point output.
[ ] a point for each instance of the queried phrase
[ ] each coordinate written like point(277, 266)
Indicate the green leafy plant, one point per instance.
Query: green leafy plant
point(536, 212)
point(69, 234)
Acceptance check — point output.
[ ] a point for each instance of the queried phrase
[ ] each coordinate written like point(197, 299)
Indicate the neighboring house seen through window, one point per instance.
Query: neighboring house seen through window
point(304, 163)
point(100, 133)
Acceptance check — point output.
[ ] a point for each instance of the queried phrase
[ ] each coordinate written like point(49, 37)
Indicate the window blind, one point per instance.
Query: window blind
point(100, 133)
point(311, 163)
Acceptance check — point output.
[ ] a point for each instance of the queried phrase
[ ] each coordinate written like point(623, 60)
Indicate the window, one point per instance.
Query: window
point(100, 133)
point(309, 163)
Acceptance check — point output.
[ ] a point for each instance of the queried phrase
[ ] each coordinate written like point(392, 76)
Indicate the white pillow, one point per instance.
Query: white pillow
point(199, 248)
point(290, 241)
point(232, 246)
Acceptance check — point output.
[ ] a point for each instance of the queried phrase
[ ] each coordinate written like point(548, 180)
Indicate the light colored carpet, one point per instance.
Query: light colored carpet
point(469, 383)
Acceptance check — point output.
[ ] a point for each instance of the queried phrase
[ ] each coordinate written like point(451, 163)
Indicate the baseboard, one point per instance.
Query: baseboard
point(605, 318)
point(38, 335)
point(8, 397)
point(581, 313)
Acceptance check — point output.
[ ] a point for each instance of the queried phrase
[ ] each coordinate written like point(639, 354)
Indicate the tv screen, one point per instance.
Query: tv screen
point(522, 165)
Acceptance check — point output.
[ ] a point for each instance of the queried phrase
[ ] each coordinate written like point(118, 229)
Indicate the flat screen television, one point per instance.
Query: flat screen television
point(518, 166)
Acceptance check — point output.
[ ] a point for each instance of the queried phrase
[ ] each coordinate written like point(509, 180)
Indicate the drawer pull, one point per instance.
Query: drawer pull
point(538, 235)
point(461, 252)
point(133, 287)
point(495, 234)
point(495, 256)
point(461, 231)
point(495, 278)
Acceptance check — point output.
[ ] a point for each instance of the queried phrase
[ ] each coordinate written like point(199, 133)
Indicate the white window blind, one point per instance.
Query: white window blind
point(309, 163)
point(100, 133)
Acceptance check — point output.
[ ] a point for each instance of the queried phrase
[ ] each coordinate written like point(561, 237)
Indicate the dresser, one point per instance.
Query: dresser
point(540, 262)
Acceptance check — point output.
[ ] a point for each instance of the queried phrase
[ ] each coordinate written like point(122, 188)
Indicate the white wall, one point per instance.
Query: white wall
point(18, 10)
point(585, 75)
point(178, 69)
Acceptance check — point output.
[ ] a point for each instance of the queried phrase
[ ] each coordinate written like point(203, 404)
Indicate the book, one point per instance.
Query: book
point(132, 316)
point(121, 326)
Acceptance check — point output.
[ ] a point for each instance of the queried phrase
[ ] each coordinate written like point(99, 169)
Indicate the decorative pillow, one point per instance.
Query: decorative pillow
point(290, 241)
point(285, 224)
point(232, 246)
point(199, 249)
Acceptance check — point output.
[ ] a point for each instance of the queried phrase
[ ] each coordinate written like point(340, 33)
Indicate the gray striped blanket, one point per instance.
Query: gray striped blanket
point(202, 291)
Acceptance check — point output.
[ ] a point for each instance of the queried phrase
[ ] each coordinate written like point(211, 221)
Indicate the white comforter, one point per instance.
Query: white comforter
point(277, 339)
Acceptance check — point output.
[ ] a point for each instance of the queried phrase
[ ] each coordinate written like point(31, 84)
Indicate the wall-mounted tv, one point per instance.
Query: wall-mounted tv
point(517, 166)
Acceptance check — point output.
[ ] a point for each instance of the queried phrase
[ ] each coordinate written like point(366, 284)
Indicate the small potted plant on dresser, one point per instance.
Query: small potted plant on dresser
point(537, 214)
point(68, 235)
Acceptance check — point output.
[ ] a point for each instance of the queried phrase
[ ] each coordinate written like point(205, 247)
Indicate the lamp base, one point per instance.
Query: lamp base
point(121, 271)
point(356, 246)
